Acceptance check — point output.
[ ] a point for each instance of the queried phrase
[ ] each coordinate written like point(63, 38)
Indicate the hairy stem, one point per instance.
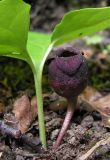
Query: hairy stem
point(69, 114)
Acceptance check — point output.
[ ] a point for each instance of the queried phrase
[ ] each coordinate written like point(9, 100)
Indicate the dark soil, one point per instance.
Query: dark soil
point(86, 129)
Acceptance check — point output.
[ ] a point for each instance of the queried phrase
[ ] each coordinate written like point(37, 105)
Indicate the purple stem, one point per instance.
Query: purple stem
point(68, 117)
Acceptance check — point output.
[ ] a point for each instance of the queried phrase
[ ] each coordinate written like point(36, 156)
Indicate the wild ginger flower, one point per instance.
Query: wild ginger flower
point(68, 74)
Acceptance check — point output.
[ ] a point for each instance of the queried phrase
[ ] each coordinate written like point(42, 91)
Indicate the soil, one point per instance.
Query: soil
point(86, 127)
point(85, 131)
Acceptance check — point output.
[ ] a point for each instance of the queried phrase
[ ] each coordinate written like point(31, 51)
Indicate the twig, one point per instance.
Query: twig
point(15, 133)
point(98, 144)
point(7, 130)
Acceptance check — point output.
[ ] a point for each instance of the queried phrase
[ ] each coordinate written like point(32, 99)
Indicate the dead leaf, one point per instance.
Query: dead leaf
point(102, 105)
point(33, 107)
point(25, 112)
point(93, 100)
point(87, 97)
point(90, 94)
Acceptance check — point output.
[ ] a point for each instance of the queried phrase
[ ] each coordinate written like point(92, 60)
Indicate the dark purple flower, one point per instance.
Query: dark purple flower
point(68, 72)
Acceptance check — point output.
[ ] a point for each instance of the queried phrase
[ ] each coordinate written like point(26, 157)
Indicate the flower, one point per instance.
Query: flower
point(68, 72)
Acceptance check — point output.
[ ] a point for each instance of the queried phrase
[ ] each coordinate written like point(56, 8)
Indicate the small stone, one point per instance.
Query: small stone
point(72, 140)
point(87, 122)
point(54, 134)
point(18, 157)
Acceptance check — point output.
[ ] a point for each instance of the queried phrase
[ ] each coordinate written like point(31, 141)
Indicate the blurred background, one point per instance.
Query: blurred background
point(46, 14)
point(16, 76)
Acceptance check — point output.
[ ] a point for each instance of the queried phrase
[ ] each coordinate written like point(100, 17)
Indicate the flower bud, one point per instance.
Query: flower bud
point(68, 72)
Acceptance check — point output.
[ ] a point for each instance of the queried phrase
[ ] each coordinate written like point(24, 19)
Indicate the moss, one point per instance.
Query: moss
point(15, 74)
point(99, 76)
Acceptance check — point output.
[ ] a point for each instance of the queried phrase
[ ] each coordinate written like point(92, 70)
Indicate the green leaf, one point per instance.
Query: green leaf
point(80, 23)
point(38, 49)
point(36, 46)
point(14, 26)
